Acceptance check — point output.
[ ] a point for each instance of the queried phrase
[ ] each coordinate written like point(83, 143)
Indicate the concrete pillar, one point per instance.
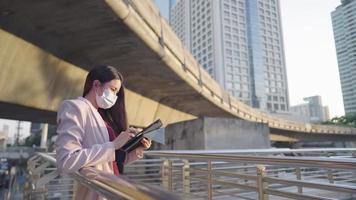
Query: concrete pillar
point(44, 136)
point(216, 133)
point(3, 138)
point(2, 144)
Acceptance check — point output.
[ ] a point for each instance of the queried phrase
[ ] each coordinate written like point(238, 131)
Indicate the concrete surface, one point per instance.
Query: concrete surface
point(216, 133)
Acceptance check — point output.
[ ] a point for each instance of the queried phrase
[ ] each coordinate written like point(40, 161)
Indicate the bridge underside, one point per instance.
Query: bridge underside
point(33, 82)
point(87, 32)
point(24, 113)
point(73, 36)
point(292, 136)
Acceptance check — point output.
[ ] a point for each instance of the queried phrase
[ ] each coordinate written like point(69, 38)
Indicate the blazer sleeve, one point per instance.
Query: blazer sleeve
point(71, 156)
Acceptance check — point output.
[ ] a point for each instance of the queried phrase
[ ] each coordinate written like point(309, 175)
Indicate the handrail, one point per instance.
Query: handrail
point(307, 177)
point(111, 186)
point(322, 186)
point(331, 163)
point(259, 151)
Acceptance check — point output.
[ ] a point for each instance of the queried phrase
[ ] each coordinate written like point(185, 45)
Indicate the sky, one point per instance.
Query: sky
point(310, 51)
point(10, 127)
point(163, 6)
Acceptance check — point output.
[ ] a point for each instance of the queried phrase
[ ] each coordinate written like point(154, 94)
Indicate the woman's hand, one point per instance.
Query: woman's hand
point(124, 137)
point(146, 143)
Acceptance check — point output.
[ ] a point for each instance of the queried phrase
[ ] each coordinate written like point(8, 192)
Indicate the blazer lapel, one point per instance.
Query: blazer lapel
point(100, 127)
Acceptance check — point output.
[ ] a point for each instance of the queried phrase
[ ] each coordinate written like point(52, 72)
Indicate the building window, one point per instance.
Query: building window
point(210, 71)
point(244, 87)
point(283, 107)
point(228, 36)
point(276, 107)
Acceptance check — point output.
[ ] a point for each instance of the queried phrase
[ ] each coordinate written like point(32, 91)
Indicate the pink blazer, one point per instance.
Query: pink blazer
point(83, 141)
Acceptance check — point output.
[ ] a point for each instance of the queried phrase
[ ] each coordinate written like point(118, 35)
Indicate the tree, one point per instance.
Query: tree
point(34, 139)
point(347, 120)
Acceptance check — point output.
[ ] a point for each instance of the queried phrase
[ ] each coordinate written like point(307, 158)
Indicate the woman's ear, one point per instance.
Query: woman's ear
point(95, 86)
point(96, 83)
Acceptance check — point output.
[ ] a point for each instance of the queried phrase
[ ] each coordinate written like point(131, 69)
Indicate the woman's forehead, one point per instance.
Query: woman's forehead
point(115, 83)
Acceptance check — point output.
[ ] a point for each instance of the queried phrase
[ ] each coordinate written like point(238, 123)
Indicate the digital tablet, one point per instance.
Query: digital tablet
point(135, 142)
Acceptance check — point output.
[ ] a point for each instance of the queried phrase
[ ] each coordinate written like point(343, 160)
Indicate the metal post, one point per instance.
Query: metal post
point(276, 173)
point(186, 177)
point(330, 176)
point(75, 188)
point(44, 136)
point(298, 173)
point(167, 174)
point(36, 169)
point(210, 180)
point(246, 172)
point(261, 173)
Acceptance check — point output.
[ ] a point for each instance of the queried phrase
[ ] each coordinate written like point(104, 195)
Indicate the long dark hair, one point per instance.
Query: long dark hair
point(115, 116)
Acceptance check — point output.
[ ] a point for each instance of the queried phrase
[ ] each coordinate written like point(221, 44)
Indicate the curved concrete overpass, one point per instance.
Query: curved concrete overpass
point(33, 82)
point(132, 36)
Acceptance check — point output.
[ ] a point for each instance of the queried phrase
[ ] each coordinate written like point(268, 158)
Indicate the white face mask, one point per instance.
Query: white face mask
point(107, 100)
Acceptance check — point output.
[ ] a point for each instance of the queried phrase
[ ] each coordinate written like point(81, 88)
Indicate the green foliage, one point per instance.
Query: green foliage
point(347, 120)
point(34, 139)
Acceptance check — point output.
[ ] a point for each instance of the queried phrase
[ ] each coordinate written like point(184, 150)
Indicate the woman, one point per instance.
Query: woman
point(92, 129)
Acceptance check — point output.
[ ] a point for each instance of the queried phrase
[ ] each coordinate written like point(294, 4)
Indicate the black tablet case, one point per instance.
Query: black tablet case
point(135, 142)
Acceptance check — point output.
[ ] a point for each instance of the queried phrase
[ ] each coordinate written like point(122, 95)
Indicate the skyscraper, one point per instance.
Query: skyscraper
point(344, 25)
point(240, 44)
point(313, 110)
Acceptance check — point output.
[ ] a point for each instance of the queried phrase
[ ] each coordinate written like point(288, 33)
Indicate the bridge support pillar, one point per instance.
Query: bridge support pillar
point(44, 136)
point(216, 133)
point(2, 144)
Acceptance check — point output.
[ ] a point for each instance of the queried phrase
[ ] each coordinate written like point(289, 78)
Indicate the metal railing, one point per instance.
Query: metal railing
point(251, 174)
point(46, 183)
point(220, 174)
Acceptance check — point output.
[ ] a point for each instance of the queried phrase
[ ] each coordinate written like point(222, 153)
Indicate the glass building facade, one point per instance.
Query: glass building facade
point(240, 44)
point(344, 25)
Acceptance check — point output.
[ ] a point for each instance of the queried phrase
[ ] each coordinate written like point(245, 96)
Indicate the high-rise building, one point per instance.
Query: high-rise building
point(313, 110)
point(240, 44)
point(326, 113)
point(344, 25)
